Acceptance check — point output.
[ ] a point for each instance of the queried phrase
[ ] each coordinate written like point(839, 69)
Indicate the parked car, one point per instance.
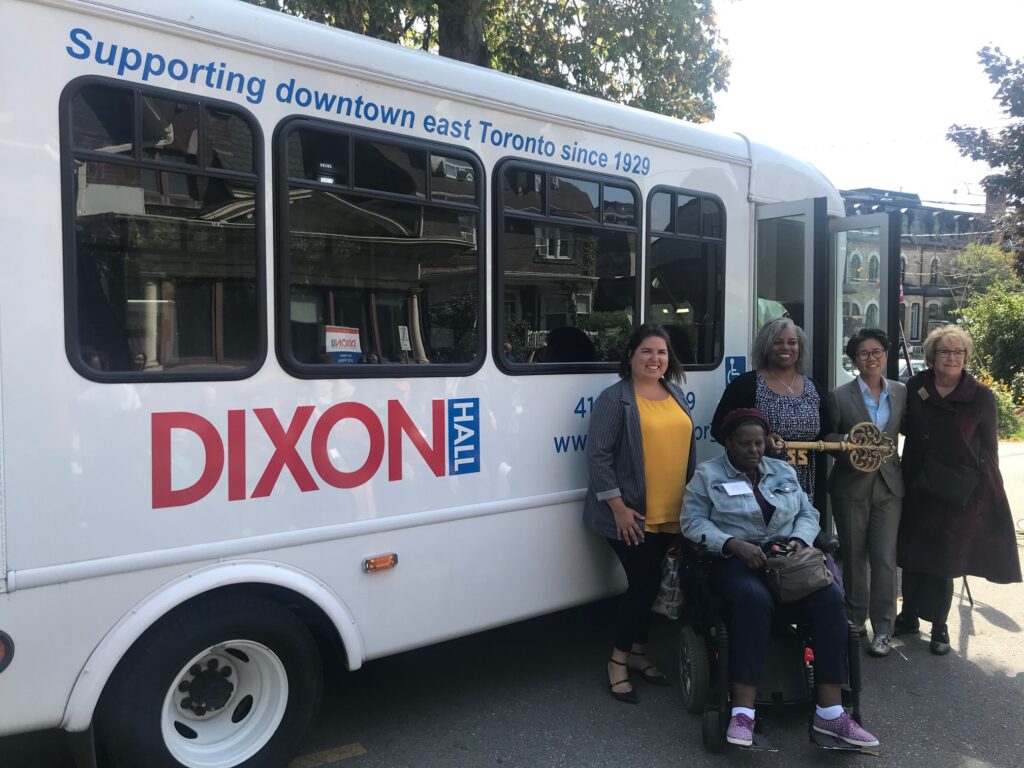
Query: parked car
point(917, 365)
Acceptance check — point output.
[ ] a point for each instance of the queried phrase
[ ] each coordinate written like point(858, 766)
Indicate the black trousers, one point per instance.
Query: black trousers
point(642, 564)
point(926, 596)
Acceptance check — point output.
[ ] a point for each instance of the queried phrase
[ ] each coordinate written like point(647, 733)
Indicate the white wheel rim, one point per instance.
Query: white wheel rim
point(212, 718)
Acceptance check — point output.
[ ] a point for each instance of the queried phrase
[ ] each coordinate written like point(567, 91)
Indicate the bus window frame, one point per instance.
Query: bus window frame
point(699, 239)
point(69, 218)
point(282, 272)
point(498, 288)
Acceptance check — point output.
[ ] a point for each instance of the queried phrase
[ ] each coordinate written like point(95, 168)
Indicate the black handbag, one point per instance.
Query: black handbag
point(794, 576)
point(951, 483)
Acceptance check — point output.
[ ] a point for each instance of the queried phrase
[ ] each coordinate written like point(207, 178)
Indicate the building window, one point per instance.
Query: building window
point(873, 268)
point(933, 313)
point(915, 322)
point(856, 266)
point(933, 274)
point(871, 316)
point(379, 257)
point(903, 269)
point(164, 267)
point(566, 261)
point(685, 273)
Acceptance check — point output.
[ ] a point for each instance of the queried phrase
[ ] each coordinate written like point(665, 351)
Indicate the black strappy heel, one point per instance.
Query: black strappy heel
point(627, 696)
point(656, 677)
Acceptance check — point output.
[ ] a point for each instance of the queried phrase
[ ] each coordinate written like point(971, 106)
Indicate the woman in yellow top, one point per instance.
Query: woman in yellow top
point(640, 454)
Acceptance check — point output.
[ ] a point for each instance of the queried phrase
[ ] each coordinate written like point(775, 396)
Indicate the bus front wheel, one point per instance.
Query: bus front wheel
point(226, 681)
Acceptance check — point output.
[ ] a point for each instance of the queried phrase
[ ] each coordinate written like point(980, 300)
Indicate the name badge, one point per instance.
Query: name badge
point(738, 488)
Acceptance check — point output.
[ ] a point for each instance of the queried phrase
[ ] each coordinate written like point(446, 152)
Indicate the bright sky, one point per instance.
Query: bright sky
point(866, 90)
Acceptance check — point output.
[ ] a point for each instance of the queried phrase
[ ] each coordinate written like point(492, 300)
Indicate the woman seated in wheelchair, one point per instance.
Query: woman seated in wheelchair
point(733, 505)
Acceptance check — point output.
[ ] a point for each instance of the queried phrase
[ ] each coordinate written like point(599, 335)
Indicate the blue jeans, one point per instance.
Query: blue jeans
point(751, 610)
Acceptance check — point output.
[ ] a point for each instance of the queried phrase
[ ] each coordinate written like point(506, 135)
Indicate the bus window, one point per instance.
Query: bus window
point(566, 269)
point(165, 264)
point(378, 258)
point(686, 269)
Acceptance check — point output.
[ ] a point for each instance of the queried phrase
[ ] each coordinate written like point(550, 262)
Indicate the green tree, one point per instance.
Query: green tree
point(1002, 149)
point(661, 55)
point(974, 270)
point(995, 319)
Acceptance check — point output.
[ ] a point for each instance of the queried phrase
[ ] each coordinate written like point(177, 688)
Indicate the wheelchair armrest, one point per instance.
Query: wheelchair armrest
point(826, 542)
point(698, 552)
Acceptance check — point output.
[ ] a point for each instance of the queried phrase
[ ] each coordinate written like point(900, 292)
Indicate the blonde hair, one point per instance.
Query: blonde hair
point(943, 332)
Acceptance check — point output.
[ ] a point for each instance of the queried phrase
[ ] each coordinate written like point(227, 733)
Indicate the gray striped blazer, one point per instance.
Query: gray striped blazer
point(615, 455)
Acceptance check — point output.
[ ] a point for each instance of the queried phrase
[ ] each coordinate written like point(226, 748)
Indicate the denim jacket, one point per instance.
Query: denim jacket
point(711, 513)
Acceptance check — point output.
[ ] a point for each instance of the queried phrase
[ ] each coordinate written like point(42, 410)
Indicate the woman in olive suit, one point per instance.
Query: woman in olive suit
point(867, 505)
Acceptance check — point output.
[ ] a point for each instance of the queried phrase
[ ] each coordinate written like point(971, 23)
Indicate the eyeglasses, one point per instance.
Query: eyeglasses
point(877, 354)
point(957, 353)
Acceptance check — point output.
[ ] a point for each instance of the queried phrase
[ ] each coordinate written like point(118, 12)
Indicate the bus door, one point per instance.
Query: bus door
point(864, 282)
point(831, 276)
point(791, 241)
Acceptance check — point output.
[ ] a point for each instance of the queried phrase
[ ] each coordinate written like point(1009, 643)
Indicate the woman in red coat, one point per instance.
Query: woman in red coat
point(956, 517)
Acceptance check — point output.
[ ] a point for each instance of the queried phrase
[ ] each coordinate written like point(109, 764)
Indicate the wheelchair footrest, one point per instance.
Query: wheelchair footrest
point(760, 745)
point(826, 741)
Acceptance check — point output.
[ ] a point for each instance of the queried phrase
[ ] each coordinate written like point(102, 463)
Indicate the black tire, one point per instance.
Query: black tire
point(712, 731)
point(694, 670)
point(169, 683)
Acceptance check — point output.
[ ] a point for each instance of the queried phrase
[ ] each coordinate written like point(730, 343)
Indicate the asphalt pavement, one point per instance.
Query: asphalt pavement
point(534, 695)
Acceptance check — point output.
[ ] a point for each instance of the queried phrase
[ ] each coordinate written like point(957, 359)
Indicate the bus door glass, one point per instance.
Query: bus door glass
point(862, 288)
point(788, 246)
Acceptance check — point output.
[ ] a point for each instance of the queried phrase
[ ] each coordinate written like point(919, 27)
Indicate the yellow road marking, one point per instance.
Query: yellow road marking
point(328, 756)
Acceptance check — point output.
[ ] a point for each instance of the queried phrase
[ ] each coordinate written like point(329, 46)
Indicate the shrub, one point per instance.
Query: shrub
point(1009, 423)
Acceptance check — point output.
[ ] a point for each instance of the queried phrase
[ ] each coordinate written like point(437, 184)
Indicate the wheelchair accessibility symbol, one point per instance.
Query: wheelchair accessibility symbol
point(734, 366)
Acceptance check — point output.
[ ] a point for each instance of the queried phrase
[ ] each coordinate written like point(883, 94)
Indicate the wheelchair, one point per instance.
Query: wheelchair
point(788, 675)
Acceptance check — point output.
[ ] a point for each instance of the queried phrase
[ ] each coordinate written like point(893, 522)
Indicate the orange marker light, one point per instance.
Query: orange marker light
point(6, 650)
point(380, 562)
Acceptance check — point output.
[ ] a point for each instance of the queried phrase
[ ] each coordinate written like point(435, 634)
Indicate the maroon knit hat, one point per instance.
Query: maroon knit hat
point(736, 417)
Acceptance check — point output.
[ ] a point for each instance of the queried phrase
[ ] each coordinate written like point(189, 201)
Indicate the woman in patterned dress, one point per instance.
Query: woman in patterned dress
point(792, 402)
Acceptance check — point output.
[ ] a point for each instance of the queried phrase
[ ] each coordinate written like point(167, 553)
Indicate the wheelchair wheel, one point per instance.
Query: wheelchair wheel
point(694, 670)
point(712, 730)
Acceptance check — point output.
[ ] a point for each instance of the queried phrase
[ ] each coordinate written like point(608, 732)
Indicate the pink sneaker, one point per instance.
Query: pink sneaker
point(846, 728)
point(741, 731)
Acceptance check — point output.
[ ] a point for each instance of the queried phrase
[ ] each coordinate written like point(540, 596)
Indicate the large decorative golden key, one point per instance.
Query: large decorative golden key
point(868, 447)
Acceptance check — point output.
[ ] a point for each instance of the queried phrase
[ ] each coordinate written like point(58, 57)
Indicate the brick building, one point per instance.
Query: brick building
point(931, 238)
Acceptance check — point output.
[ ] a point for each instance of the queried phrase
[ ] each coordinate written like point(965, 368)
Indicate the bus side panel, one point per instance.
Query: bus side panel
point(451, 579)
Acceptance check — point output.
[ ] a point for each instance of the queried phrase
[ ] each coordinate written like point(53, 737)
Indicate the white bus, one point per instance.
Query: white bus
point(299, 336)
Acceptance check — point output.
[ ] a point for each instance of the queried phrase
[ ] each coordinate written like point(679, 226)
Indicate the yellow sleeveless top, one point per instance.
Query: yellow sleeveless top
point(666, 430)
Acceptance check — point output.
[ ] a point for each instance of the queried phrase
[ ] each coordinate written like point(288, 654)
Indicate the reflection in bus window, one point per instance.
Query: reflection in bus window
point(568, 287)
point(686, 268)
point(380, 259)
point(165, 259)
point(780, 269)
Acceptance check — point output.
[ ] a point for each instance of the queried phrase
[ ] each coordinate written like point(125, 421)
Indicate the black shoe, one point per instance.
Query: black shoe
point(940, 640)
point(629, 697)
point(906, 625)
point(650, 672)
